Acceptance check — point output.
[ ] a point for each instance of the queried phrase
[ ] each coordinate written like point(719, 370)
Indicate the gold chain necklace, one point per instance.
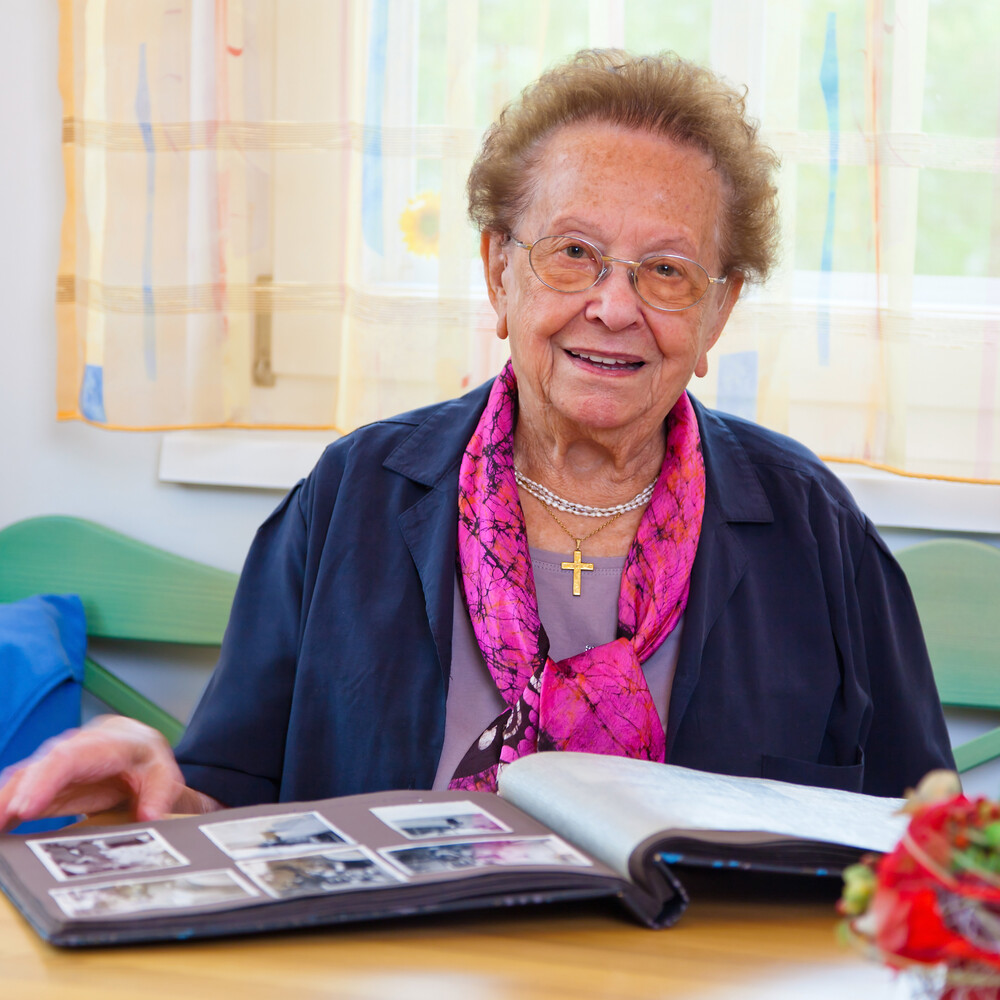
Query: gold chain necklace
point(578, 565)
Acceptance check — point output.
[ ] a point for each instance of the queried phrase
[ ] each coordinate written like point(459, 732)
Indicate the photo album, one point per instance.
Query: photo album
point(565, 826)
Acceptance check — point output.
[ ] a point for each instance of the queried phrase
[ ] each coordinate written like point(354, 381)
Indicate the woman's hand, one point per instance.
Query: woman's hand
point(110, 763)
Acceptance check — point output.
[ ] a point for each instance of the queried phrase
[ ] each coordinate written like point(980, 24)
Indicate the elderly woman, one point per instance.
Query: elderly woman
point(577, 556)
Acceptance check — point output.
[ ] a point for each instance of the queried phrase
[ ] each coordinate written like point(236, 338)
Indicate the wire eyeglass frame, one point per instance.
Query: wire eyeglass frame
point(605, 260)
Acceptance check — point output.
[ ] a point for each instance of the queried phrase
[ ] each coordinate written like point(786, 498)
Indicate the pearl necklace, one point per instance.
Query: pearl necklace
point(546, 496)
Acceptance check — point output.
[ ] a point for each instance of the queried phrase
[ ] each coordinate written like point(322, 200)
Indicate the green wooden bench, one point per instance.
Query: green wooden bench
point(956, 584)
point(129, 590)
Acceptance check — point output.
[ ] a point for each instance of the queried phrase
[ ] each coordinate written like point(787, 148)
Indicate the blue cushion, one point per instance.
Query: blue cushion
point(43, 640)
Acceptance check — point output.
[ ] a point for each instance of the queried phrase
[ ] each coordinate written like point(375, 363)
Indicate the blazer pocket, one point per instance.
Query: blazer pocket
point(849, 777)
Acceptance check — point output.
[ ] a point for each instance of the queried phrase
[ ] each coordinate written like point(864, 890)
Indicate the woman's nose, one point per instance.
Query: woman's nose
point(614, 299)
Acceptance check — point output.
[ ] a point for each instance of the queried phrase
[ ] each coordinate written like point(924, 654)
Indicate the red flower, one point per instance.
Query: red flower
point(937, 895)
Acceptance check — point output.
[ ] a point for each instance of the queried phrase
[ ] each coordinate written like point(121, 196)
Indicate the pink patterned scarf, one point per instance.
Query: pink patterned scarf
point(596, 701)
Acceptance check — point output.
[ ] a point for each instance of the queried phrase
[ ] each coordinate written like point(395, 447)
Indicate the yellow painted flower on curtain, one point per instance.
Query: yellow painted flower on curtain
point(421, 224)
point(265, 220)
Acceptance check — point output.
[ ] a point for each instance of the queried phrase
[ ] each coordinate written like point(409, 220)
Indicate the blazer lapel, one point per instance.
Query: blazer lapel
point(431, 456)
point(429, 529)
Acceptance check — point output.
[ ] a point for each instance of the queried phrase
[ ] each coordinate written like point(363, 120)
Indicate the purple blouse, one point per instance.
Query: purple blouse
point(572, 624)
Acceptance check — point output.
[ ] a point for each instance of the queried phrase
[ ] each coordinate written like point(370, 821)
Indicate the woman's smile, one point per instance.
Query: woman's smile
point(605, 364)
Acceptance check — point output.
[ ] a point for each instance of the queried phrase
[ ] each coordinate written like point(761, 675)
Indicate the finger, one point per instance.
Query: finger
point(9, 818)
point(157, 789)
point(8, 772)
point(98, 797)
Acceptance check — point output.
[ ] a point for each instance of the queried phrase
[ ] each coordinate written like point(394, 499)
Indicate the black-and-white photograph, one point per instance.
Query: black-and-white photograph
point(172, 892)
point(319, 872)
point(268, 836)
point(69, 858)
point(434, 859)
point(423, 820)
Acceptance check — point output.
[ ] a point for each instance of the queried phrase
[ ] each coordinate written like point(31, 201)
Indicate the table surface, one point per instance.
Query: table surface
point(744, 936)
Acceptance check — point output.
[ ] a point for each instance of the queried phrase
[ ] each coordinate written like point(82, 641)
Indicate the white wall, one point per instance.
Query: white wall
point(71, 468)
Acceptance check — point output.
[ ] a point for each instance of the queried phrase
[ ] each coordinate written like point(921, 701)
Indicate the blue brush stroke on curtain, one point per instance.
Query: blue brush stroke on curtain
point(829, 80)
point(371, 177)
point(737, 392)
point(92, 394)
point(144, 114)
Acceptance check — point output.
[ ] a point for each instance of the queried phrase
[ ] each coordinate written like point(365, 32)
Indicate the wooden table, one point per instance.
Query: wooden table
point(743, 936)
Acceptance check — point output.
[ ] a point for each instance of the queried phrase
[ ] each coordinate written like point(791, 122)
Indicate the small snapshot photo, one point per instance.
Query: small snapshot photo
point(271, 836)
point(171, 892)
point(423, 820)
point(319, 872)
point(69, 858)
point(436, 859)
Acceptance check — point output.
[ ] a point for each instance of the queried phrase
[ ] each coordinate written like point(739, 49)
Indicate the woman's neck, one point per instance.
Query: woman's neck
point(585, 468)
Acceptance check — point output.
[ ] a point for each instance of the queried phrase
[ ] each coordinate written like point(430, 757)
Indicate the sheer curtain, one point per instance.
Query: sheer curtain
point(265, 220)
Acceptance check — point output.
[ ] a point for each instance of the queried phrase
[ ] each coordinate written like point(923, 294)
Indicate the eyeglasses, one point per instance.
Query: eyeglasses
point(663, 281)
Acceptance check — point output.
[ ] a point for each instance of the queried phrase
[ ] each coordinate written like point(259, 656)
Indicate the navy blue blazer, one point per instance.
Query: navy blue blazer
point(801, 656)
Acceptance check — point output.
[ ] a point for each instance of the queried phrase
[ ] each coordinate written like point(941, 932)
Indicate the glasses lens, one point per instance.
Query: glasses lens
point(671, 282)
point(565, 263)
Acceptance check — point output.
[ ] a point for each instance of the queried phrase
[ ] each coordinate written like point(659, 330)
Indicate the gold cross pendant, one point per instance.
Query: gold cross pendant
point(577, 566)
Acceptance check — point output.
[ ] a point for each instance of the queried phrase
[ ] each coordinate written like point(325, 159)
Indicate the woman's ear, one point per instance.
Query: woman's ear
point(717, 318)
point(732, 289)
point(491, 249)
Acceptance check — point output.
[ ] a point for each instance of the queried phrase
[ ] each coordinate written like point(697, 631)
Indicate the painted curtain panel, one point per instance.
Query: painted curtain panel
point(265, 217)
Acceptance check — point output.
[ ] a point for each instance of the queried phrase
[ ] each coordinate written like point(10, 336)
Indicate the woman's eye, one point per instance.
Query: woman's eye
point(575, 252)
point(665, 270)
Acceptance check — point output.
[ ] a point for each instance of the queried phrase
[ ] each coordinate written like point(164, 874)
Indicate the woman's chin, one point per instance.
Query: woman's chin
point(609, 417)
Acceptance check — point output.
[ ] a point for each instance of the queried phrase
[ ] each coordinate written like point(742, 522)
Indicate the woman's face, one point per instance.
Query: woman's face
point(603, 359)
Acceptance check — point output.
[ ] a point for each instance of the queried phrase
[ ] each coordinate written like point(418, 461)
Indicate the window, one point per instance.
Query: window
point(267, 221)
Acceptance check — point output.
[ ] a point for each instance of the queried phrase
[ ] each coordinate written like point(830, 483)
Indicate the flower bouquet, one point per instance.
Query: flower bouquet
point(932, 905)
